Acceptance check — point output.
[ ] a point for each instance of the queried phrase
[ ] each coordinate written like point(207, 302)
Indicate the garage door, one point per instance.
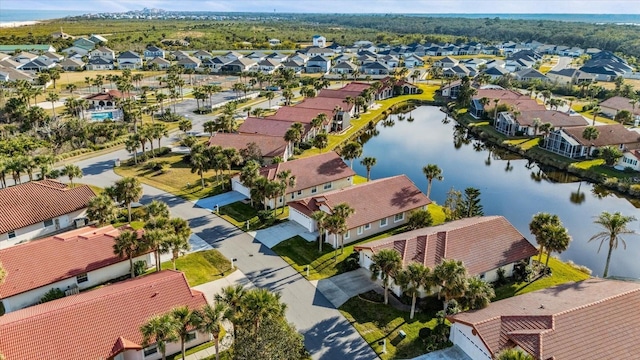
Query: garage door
point(236, 185)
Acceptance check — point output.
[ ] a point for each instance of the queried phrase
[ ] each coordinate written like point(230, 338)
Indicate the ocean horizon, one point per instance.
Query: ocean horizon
point(14, 15)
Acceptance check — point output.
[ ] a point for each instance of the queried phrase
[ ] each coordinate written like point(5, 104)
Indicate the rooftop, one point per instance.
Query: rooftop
point(269, 146)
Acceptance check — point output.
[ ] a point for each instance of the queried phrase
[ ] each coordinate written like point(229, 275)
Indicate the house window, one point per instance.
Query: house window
point(328, 186)
point(383, 222)
point(11, 234)
point(82, 278)
point(367, 226)
point(347, 235)
point(398, 217)
point(280, 200)
point(153, 349)
point(48, 223)
point(299, 192)
point(191, 336)
point(360, 230)
point(293, 196)
point(314, 190)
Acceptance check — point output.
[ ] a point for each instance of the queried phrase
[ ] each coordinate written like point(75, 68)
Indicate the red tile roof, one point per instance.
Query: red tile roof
point(613, 134)
point(557, 118)
point(58, 257)
point(109, 95)
point(520, 104)
point(311, 171)
point(88, 325)
point(267, 126)
point(371, 201)
point(339, 93)
point(36, 201)
point(499, 94)
point(481, 243)
point(299, 114)
point(270, 146)
point(324, 103)
point(589, 320)
point(621, 103)
point(356, 86)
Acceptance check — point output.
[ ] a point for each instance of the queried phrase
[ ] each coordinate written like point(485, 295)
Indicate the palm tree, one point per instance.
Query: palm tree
point(199, 164)
point(320, 217)
point(432, 171)
point(231, 297)
point(101, 209)
point(451, 276)
point(128, 190)
point(270, 95)
point(414, 278)
point(590, 133)
point(155, 237)
point(352, 151)
point(177, 240)
point(368, 162)
point(538, 222)
point(156, 209)
point(211, 323)
point(596, 110)
point(286, 181)
point(185, 319)
point(128, 245)
point(52, 98)
point(386, 265)
point(556, 239)
point(478, 294)
point(72, 172)
point(260, 304)
point(513, 354)
point(162, 329)
point(321, 141)
point(614, 226)
point(343, 211)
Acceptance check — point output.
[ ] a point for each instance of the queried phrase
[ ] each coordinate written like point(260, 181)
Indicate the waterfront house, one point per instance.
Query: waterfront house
point(129, 60)
point(523, 124)
point(378, 205)
point(341, 111)
point(38, 208)
point(311, 173)
point(629, 159)
point(451, 90)
point(485, 244)
point(589, 320)
point(570, 143)
point(100, 324)
point(612, 106)
point(302, 115)
point(271, 127)
point(71, 261)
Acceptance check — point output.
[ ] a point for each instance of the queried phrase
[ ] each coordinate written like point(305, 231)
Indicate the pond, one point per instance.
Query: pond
point(511, 186)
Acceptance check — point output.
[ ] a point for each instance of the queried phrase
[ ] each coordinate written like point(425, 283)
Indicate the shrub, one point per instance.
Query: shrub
point(266, 216)
point(51, 295)
point(502, 278)
point(425, 333)
point(139, 267)
point(352, 262)
point(305, 145)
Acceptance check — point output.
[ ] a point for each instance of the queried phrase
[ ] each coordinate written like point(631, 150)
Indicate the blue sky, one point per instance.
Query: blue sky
point(342, 6)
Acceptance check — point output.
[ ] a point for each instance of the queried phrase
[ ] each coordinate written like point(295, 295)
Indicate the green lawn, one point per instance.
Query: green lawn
point(524, 144)
point(561, 273)
point(376, 321)
point(202, 266)
point(239, 213)
point(299, 252)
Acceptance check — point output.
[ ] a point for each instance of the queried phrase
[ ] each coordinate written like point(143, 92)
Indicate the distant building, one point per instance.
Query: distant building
point(319, 41)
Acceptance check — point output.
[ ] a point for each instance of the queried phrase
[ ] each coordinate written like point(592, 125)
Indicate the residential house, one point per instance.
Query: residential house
point(299, 58)
point(103, 52)
point(581, 320)
point(51, 56)
point(312, 173)
point(202, 55)
point(160, 63)
point(570, 143)
point(406, 87)
point(239, 65)
point(274, 42)
point(523, 124)
point(458, 71)
point(100, 64)
point(474, 64)
point(612, 106)
point(629, 159)
point(270, 127)
point(38, 65)
point(344, 67)
point(26, 47)
point(302, 115)
point(319, 41)
point(451, 90)
point(496, 72)
point(276, 56)
point(76, 50)
point(446, 63)
point(530, 74)
point(61, 35)
point(413, 61)
point(318, 64)
point(71, 261)
point(390, 60)
point(216, 63)
point(129, 60)
point(268, 66)
point(71, 65)
point(4, 56)
point(107, 98)
point(38, 208)
point(98, 39)
point(313, 51)
point(189, 62)
point(256, 56)
point(570, 76)
point(375, 68)
point(296, 65)
point(84, 43)
point(233, 55)
point(100, 324)
point(152, 52)
point(11, 74)
point(270, 146)
point(485, 244)
point(179, 54)
point(24, 57)
point(342, 58)
point(341, 111)
point(605, 66)
point(379, 205)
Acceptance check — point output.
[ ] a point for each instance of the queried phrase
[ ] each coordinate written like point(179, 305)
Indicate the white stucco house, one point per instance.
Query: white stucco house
point(629, 159)
point(37, 208)
point(319, 41)
point(70, 261)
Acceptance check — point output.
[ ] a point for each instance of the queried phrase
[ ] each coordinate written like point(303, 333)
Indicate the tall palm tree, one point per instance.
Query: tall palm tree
point(161, 329)
point(343, 211)
point(101, 209)
point(368, 162)
point(127, 191)
point(320, 218)
point(260, 304)
point(211, 323)
point(177, 241)
point(596, 110)
point(127, 245)
point(52, 98)
point(432, 171)
point(556, 239)
point(386, 265)
point(231, 297)
point(352, 151)
point(249, 174)
point(614, 225)
point(286, 181)
point(185, 319)
point(478, 294)
point(72, 172)
point(451, 276)
point(414, 278)
point(538, 222)
point(199, 164)
point(156, 209)
point(155, 239)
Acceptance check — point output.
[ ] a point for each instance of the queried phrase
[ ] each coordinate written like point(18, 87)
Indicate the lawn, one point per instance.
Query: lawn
point(96, 189)
point(359, 180)
point(202, 266)
point(524, 144)
point(376, 321)
point(176, 179)
point(299, 253)
point(561, 273)
point(238, 213)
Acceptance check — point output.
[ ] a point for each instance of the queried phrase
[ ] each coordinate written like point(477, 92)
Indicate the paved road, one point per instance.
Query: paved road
point(563, 62)
point(328, 335)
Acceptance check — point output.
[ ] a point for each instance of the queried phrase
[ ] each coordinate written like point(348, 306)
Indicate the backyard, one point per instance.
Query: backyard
point(202, 266)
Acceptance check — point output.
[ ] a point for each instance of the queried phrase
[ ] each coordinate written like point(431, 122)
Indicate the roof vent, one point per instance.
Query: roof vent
point(541, 306)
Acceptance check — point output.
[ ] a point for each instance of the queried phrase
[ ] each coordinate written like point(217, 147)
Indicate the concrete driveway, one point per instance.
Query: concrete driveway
point(220, 200)
point(276, 234)
point(451, 353)
point(340, 288)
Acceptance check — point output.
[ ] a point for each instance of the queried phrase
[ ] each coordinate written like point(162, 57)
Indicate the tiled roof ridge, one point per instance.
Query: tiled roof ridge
point(50, 309)
point(598, 302)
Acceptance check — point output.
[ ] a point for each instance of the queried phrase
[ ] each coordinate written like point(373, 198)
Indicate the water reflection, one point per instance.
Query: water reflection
point(510, 186)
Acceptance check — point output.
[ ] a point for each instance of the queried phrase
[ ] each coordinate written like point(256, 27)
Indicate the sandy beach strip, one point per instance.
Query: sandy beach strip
point(11, 24)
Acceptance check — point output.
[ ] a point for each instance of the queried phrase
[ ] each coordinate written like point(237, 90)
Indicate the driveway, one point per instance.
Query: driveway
point(276, 234)
point(451, 353)
point(340, 288)
point(220, 200)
